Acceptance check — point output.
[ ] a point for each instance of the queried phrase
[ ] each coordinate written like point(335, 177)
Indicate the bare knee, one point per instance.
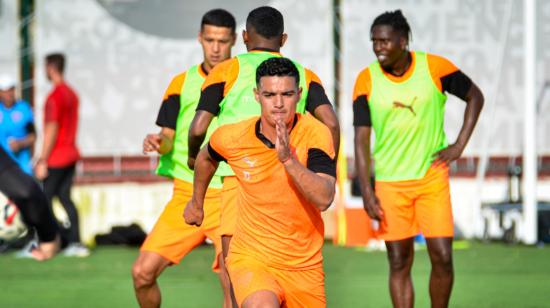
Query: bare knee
point(261, 299)
point(400, 260)
point(443, 260)
point(143, 276)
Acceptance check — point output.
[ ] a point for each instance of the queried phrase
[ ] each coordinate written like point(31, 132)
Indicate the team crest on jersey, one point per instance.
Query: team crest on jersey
point(250, 162)
point(16, 116)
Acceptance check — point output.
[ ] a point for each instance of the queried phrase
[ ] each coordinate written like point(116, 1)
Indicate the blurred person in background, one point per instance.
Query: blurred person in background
point(57, 160)
point(171, 238)
point(31, 201)
point(401, 97)
point(17, 131)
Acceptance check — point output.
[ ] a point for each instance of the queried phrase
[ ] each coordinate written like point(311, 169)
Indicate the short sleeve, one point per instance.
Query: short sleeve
point(217, 145)
point(51, 110)
point(170, 106)
point(361, 93)
point(316, 92)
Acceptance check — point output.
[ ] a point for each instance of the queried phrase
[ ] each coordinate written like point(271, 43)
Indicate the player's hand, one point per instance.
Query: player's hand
point(151, 143)
point(372, 207)
point(192, 214)
point(449, 154)
point(15, 145)
point(281, 143)
point(41, 170)
point(191, 162)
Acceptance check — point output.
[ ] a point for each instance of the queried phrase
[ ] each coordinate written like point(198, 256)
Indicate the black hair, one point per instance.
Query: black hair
point(268, 22)
point(219, 18)
point(396, 20)
point(57, 60)
point(277, 66)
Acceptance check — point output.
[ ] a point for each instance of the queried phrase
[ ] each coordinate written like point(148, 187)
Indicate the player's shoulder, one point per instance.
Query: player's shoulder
point(436, 61)
point(307, 124)
point(237, 129)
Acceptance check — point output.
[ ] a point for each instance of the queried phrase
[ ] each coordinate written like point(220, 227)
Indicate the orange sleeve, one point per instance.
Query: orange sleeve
point(362, 84)
point(311, 77)
point(225, 72)
point(440, 67)
point(219, 140)
point(320, 136)
point(174, 88)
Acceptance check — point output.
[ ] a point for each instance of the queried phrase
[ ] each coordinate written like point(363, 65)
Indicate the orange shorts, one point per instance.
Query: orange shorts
point(415, 206)
point(228, 220)
point(172, 238)
point(294, 288)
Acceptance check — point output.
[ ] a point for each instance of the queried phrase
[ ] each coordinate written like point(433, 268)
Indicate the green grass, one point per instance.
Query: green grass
point(491, 275)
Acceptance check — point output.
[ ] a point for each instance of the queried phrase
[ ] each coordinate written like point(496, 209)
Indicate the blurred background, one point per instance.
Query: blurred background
point(121, 55)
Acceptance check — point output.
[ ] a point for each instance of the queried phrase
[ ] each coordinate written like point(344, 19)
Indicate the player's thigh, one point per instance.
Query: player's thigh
point(397, 202)
point(433, 207)
point(171, 237)
point(304, 288)
point(249, 276)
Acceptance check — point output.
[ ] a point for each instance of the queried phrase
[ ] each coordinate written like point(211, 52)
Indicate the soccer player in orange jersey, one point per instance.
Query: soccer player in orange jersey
point(171, 238)
point(401, 97)
point(284, 163)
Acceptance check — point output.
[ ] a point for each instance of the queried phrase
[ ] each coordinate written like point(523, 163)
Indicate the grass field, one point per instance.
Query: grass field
point(487, 275)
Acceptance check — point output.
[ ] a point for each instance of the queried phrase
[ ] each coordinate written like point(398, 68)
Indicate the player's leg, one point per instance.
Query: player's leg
point(302, 288)
point(64, 193)
point(169, 241)
point(261, 299)
point(34, 207)
point(435, 218)
point(400, 257)
point(228, 218)
point(253, 283)
point(398, 229)
point(145, 271)
point(211, 225)
point(442, 275)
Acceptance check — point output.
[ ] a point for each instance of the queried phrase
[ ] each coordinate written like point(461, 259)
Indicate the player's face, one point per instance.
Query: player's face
point(278, 96)
point(216, 44)
point(7, 97)
point(388, 45)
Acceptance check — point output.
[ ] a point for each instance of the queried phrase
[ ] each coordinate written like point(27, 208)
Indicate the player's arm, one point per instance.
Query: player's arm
point(197, 133)
point(163, 142)
point(17, 145)
point(51, 129)
point(318, 104)
point(362, 167)
point(212, 93)
point(363, 126)
point(205, 167)
point(460, 85)
point(317, 187)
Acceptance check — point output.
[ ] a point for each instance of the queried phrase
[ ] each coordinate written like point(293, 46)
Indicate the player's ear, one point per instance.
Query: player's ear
point(403, 43)
point(233, 38)
point(283, 39)
point(245, 37)
point(199, 37)
point(257, 93)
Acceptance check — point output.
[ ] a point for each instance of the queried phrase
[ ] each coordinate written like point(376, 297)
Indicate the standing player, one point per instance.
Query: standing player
point(228, 95)
point(57, 161)
point(17, 132)
point(402, 97)
point(284, 163)
point(21, 188)
point(171, 239)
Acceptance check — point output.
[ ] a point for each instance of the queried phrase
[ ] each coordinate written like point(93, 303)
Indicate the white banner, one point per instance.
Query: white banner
point(470, 34)
point(121, 56)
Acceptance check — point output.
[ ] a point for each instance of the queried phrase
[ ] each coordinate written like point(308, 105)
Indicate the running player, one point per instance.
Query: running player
point(401, 96)
point(171, 239)
point(284, 163)
point(228, 95)
point(21, 188)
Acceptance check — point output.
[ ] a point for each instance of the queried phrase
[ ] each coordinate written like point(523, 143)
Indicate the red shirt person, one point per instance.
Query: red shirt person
point(57, 160)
